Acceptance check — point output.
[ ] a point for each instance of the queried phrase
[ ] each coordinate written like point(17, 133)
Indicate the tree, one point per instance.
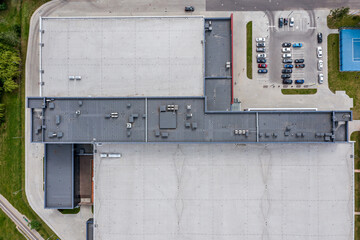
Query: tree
point(9, 85)
point(35, 225)
point(9, 68)
point(339, 12)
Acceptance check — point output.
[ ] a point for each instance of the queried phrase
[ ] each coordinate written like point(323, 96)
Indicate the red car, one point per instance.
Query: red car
point(263, 65)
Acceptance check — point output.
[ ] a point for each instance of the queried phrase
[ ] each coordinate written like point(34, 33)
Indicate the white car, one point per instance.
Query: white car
point(286, 50)
point(319, 52)
point(261, 55)
point(320, 65)
point(260, 39)
point(321, 78)
point(286, 55)
point(291, 23)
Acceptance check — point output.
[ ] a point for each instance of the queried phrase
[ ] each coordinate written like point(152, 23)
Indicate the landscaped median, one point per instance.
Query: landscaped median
point(249, 50)
point(298, 91)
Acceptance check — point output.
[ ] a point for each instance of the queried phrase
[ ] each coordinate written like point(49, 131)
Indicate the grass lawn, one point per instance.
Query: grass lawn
point(348, 81)
point(8, 228)
point(249, 50)
point(298, 91)
point(357, 228)
point(12, 148)
point(355, 136)
point(346, 21)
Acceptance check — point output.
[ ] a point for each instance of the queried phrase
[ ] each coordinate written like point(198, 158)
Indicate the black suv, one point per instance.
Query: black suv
point(287, 81)
point(286, 44)
point(301, 60)
point(319, 37)
point(189, 9)
point(286, 70)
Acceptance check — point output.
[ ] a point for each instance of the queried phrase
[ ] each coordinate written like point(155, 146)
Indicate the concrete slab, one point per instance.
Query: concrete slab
point(224, 191)
point(123, 56)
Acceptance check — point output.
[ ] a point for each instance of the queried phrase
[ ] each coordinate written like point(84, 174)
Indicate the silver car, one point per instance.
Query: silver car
point(320, 65)
point(321, 78)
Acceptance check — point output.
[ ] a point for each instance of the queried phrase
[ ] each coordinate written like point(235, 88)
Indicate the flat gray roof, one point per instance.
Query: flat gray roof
point(122, 56)
point(86, 120)
point(224, 191)
point(59, 176)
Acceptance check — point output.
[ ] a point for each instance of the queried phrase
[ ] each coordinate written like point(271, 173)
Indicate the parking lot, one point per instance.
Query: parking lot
point(304, 31)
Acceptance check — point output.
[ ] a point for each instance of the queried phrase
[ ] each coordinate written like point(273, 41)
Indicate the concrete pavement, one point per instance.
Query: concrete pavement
point(261, 5)
point(19, 220)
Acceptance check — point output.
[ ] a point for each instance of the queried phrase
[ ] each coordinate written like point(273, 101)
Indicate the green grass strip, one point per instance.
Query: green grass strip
point(249, 50)
point(298, 91)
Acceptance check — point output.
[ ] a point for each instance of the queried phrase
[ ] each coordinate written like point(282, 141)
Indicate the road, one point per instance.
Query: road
point(18, 219)
point(274, 5)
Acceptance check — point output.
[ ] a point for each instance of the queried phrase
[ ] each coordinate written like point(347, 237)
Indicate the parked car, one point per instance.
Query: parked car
point(292, 20)
point(319, 52)
point(281, 22)
point(321, 78)
point(299, 65)
point(262, 71)
point(285, 75)
point(286, 44)
point(286, 55)
point(300, 60)
point(261, 60)
point(287, 81)
point(299, 81)
point(288, 66)
point(262, 65)
point(297, 45)
point(260, 39)
point(287, 60)
point(286, 70)
point(189, 9)
point(320, 65)
point(260, 44)
point(261, 55)
point(286, 21)
point(319, 37)
point(285, 50)
point(260, 49)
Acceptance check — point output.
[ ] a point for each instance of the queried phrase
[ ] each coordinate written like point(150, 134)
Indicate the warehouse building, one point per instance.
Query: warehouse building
point(126, 100)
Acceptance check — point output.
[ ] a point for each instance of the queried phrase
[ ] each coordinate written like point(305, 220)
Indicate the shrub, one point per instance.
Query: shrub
point(35, 225)
point(3, 6)
point(2, 113)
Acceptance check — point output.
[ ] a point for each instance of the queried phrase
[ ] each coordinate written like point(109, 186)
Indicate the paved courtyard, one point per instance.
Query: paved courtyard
point(210, 191)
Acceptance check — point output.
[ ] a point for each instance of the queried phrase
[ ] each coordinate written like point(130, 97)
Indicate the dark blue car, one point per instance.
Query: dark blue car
point(262, 71)
point(299, 81)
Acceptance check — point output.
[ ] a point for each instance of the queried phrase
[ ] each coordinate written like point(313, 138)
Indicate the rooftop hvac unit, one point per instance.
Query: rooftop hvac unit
point(228, 65)
point(114, 155)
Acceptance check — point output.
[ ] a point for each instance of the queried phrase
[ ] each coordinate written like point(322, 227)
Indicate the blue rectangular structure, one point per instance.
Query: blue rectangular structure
point(349, 50)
